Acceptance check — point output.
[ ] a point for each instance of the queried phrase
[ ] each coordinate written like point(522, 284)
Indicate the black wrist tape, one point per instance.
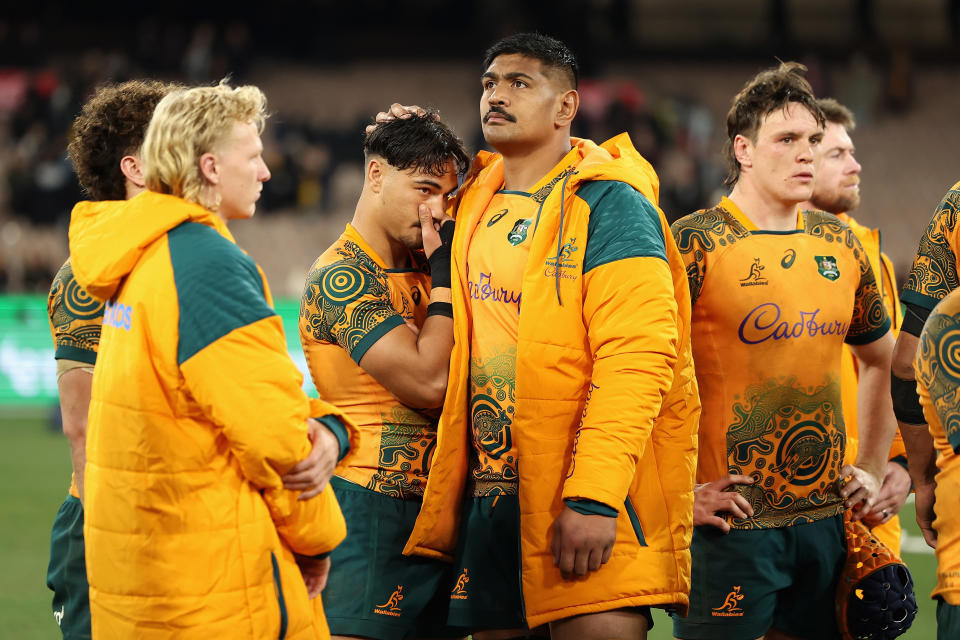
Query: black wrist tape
point(906, 402)
point(440, 309)
point(440, 259)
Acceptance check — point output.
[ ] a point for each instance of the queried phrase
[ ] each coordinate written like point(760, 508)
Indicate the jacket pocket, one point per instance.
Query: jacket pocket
point(280, 601)
point(634, 521)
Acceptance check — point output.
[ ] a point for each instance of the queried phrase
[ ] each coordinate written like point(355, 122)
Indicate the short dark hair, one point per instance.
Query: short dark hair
point(763, 94)
point(836, 113)
point(419, 142)
point(111, 125)
point(549, 51)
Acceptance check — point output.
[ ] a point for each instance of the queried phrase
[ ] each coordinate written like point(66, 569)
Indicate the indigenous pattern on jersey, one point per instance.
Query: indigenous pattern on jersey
point(938, 382)
point(934, 273)
point(771, 313)
point(351, 300)
point(75, 318)
point(75, 322)
point(496, 256)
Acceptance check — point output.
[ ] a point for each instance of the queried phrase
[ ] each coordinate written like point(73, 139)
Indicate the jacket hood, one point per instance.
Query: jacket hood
point(615, 159)
point(107, 238)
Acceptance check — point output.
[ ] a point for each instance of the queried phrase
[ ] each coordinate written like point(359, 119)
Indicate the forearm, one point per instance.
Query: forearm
point(434, 345)
point(903, 355)
point(75, 386)
point(921, 454)
point(78, 458)
point(875, 416)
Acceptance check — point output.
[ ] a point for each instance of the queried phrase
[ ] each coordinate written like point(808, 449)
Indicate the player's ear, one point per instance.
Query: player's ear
point(209, 168)
point(375, 174)
point(743, 150)
point(131, 170)
point(569, 104)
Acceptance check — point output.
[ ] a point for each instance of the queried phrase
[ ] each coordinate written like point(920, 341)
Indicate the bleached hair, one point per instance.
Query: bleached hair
point(189, 123)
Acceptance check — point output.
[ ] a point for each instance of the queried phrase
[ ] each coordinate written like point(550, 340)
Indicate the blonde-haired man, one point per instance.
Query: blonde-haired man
point(197, 410)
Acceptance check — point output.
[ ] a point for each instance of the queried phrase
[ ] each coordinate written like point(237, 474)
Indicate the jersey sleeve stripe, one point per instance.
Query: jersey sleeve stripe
point(68, 352)
point(909, 296)
point(371, 337)
point(868, 337)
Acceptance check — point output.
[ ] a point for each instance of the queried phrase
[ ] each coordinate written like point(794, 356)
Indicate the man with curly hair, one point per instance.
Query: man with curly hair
point(207, 505)
point(776, 293)
point(105, 151)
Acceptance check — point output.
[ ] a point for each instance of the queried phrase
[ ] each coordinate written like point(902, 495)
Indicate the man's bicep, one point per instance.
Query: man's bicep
point(876, 353)
point(869, 321)
point(388, 358)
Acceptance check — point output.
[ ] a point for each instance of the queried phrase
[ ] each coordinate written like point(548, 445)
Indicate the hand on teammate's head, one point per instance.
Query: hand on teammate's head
point(396, 110)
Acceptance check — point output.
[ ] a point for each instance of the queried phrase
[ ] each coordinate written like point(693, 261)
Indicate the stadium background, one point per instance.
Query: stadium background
point(663, 70)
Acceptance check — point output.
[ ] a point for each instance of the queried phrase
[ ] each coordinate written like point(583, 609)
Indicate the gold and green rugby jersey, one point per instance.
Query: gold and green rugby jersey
point(496, 255)
point(351, 300)
point(938, 382)
point(934, 273)
point(771, 311)
point(75, 322)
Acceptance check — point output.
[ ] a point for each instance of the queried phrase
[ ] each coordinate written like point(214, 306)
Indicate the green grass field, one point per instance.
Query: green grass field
point(35, 468)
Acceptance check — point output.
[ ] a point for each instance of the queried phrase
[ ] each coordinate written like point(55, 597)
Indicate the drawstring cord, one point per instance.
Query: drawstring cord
point(563, 189)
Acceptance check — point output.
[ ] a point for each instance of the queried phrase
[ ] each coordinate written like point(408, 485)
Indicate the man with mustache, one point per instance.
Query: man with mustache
point(562, 483)
point(837, 191)
point(776, 292)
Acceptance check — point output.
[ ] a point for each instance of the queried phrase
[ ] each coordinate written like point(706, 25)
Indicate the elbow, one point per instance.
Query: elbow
point(901, 361)
point(75, 430)
point(434, 393)
point(428, 394)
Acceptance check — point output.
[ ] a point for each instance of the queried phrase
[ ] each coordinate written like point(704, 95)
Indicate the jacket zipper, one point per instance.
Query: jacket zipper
point(280, 599)
point(634, 521)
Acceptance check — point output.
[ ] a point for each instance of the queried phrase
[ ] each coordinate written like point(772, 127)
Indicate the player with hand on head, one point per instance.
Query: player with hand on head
point(196, 408)
point(376, 326)
point(776, 292)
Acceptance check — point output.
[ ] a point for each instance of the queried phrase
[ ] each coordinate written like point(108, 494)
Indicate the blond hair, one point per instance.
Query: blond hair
point(189, 123)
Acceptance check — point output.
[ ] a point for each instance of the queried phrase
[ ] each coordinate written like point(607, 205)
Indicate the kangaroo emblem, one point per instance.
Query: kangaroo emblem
point(393, 604)
point(460, 590)
point(732, 600)
point(567, 250)
point(755, 270)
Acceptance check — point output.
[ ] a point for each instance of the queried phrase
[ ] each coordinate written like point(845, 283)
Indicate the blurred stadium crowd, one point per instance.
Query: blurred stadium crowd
point(312, 142)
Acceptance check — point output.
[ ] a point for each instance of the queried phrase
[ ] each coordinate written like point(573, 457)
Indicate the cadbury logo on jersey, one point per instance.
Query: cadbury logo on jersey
point(119, 315)
point(764, 322)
